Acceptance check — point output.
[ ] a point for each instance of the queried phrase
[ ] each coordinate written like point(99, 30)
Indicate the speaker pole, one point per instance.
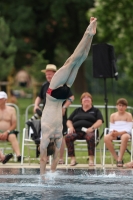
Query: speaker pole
point(106, 102)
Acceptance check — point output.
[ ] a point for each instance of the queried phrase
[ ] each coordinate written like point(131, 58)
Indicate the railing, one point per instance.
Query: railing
point(102, 108)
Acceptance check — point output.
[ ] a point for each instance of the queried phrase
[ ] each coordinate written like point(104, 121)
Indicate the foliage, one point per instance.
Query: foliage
point(115, 26)
point(37, 64)
point(45, 24)
point(7, 50)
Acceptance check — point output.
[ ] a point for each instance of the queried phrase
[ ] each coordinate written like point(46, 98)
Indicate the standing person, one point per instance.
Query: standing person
point(88, 117)
point(41, 98)
point(51, 121)
point(8, 123)
point(66, 104)
point(120, 128)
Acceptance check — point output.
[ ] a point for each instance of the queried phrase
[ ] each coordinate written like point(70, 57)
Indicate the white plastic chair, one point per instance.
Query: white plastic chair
point(81, 145)
point(5, 146)
point(117, 143)
point(30, 144)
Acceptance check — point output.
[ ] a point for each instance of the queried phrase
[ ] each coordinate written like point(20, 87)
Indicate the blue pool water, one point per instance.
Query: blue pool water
point(70, 184)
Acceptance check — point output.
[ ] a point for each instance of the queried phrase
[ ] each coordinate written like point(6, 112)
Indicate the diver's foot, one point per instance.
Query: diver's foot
point(92, 26)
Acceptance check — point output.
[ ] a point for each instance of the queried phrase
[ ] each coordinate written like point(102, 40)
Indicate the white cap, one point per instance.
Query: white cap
point(3, 95)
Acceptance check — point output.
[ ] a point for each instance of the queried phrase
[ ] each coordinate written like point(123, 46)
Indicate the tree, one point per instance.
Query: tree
point(38, 63)
point(7, 50)
point(46, 25)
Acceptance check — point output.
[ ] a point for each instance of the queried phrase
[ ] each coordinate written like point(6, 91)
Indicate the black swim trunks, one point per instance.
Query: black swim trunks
point(59, 93)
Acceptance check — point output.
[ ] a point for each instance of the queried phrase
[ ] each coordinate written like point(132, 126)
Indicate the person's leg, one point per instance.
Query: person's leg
point(43, 153)
point(108, 142)
point(62, 149)
point(5, 158)
point(15, 145)
point(70, 138)
point(67, 73)
point(1, 156)
point(124, 141)
point(90, 139)
point(55, 160)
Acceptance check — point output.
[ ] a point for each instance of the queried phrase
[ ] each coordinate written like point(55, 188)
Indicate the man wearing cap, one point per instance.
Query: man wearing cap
point(8, 121)
point(49, 73)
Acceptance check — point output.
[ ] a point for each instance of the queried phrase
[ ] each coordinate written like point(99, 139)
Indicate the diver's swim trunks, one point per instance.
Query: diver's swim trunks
point(59, 93)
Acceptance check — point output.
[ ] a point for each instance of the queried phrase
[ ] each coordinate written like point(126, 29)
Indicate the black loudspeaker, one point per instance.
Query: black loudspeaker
point(104, 63)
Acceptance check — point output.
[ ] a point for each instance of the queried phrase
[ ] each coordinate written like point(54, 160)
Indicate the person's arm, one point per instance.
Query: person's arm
point(67, 103)
point(70, 126)
point(13, 123)
point(98, 122)
point(112, 118)
point(129, 118)
point(37, 102)
point(96, 125)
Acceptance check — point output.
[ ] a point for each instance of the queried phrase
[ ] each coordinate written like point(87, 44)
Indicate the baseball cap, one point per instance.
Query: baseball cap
point(3, 95)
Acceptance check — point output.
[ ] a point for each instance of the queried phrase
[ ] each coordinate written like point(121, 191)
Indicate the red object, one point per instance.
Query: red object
point(49, 91)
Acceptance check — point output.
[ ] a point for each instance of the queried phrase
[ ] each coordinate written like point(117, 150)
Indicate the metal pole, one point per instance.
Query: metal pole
point(106, 103)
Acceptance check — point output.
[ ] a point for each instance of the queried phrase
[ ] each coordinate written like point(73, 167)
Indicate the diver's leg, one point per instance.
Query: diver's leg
point(43, 153)
point(56, 153)
point(67, 73)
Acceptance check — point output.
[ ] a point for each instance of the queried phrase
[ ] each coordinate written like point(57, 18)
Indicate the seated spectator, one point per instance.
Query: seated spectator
point(8, 123)
point(88, 117)
point(120, 128)
point(5, 158)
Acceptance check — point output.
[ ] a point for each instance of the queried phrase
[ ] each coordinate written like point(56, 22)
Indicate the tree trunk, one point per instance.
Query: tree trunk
point(80, 84)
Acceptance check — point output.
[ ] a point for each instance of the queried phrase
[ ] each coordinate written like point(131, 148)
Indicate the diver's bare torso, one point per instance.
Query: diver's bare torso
point(52, 108)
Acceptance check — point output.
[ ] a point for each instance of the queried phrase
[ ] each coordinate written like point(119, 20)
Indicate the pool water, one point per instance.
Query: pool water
point(68, 184)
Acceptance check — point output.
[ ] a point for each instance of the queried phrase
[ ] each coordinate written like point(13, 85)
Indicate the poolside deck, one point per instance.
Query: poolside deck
point(60, 166)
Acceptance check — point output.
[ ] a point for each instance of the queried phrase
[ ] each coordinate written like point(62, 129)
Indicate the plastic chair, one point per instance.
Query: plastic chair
point(28, 142)
point(81, 145)
point(117, 143)
point(5, 145)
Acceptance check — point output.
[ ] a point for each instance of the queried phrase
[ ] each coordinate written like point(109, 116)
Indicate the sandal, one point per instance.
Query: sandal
point(73, 163)
point(91, 164)
point(7, 158)
point(120, 163)
point(61, 162)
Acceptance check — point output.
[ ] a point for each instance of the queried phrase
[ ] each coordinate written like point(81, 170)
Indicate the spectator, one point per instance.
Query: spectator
point(88, 117)
point(41, 98)
point(120, 128)
point(22, 78)
point(8, 123)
